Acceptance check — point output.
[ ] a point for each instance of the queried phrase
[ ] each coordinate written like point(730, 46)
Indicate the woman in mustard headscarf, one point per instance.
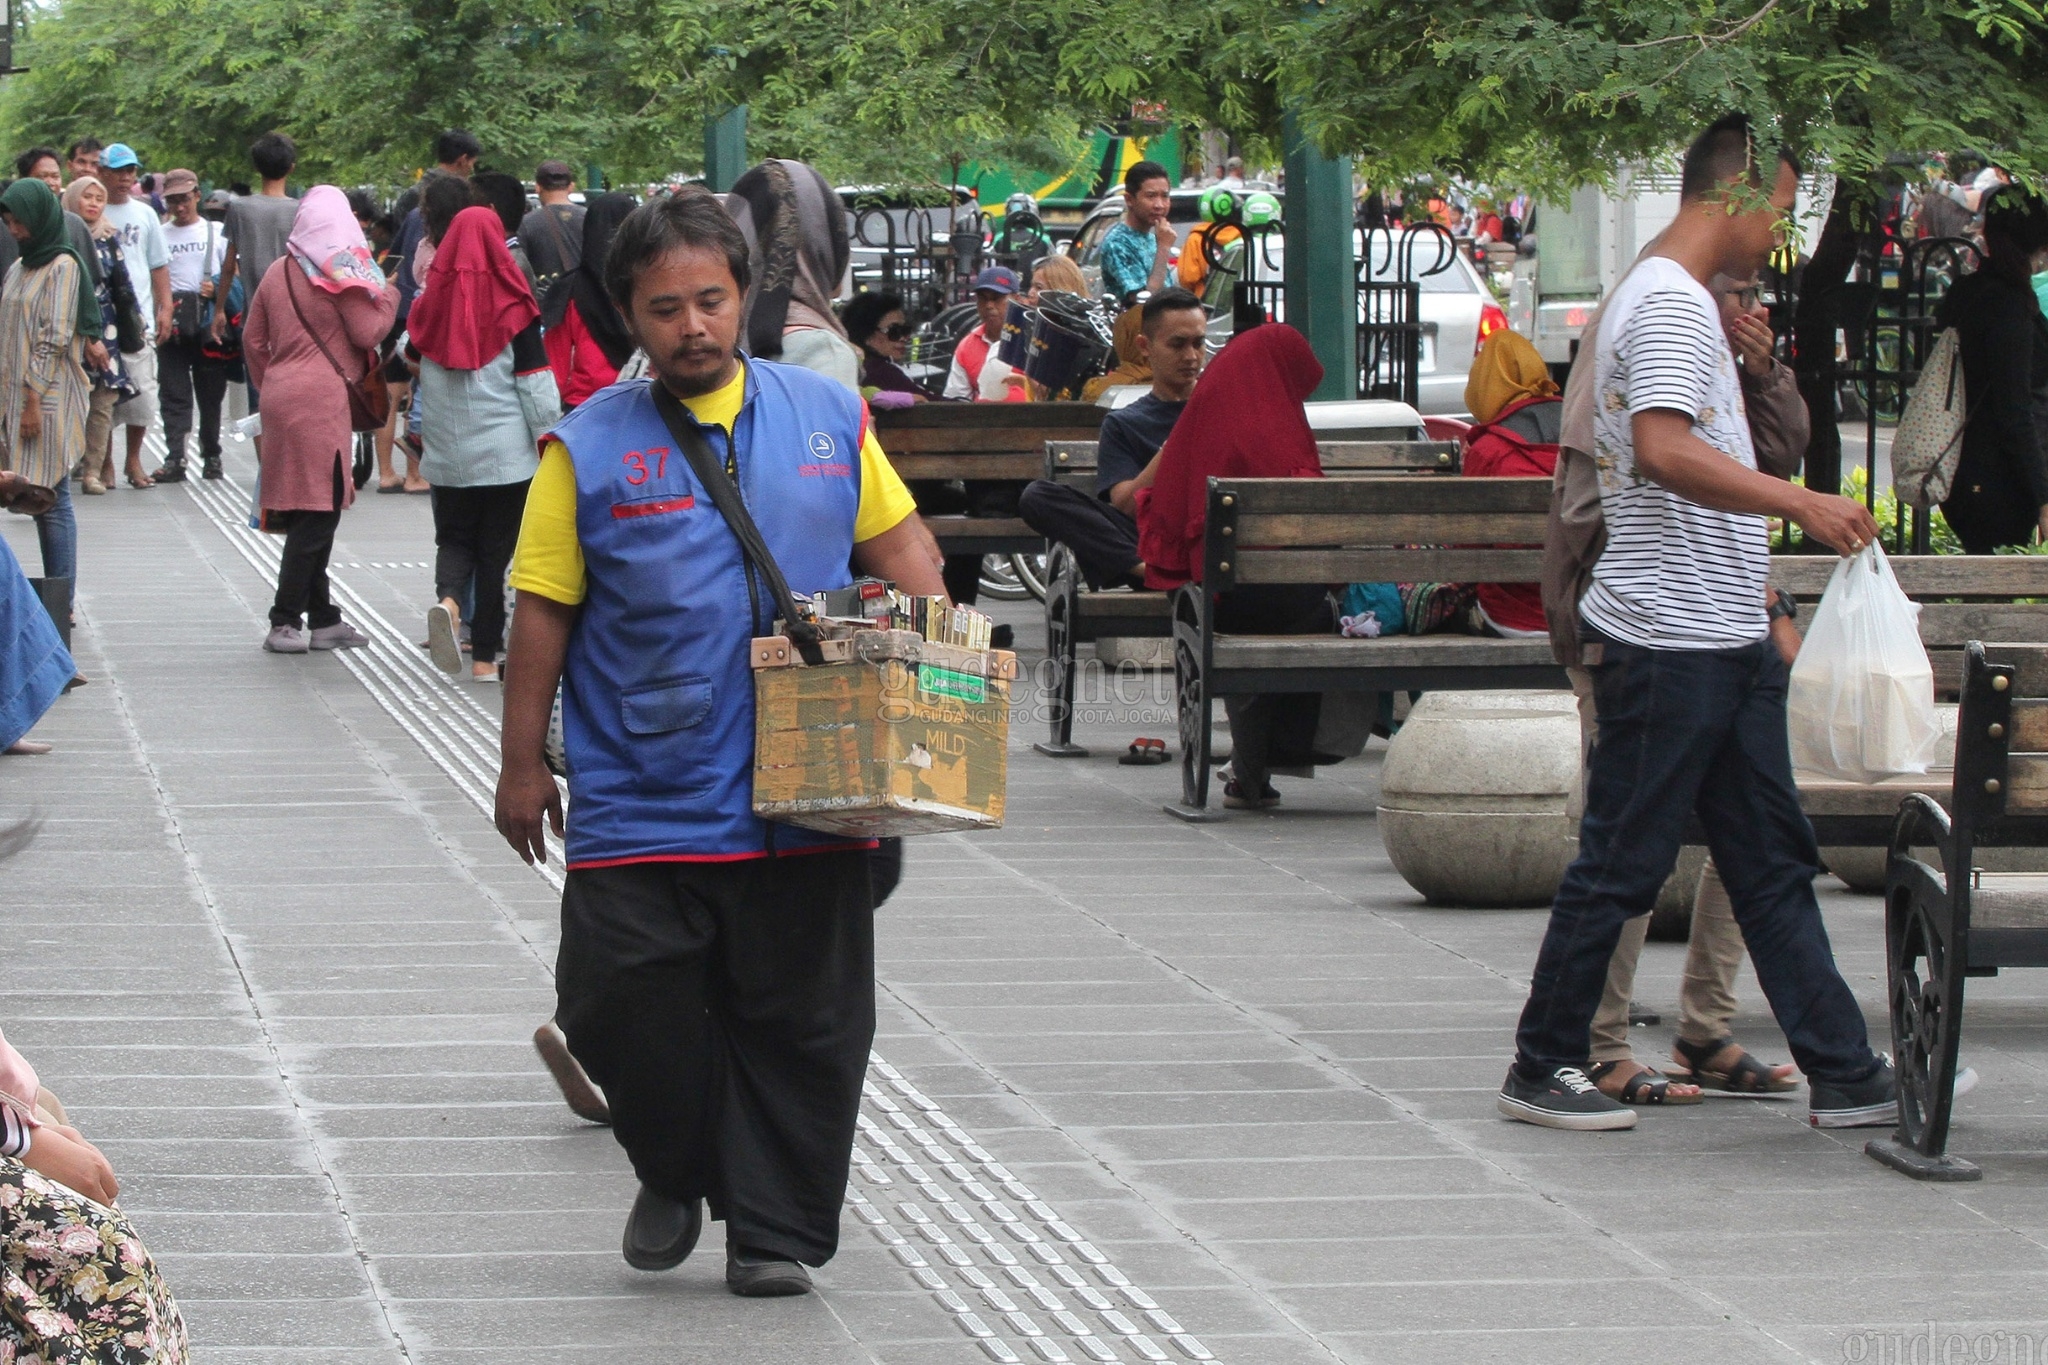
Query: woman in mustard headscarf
point(1515, 404)
point(1508, 374)
point(1131, 367)
point(49, 320)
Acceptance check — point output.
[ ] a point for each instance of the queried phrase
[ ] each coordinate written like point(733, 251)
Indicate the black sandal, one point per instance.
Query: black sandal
point(1747, 1077)
point(1646, 1087)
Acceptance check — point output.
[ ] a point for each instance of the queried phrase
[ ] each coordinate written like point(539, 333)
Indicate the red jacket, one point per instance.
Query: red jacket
point(1492, 451)
point(579, 363)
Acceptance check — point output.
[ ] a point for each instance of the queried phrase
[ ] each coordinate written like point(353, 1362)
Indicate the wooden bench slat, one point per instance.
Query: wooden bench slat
point(1394, 651)
point(1825, 796)
point(1928, 575)
point(1268, 530)
point(1002, 464)
point(2030, 724)
point(1388, 566)
point(992, 440)
point(1955, 624)
point(1380, 496)
point(1107, 605)
point(981, 416)
point(981, 528)
point(2026, 790)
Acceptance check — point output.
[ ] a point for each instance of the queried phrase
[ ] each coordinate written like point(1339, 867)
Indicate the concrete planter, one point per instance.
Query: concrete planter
point(1473, 793)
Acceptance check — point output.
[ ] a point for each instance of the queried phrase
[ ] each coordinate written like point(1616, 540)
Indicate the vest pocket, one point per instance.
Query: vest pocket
point(660, 707)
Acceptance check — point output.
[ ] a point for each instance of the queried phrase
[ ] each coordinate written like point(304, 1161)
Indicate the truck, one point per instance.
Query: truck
point(1573, 253)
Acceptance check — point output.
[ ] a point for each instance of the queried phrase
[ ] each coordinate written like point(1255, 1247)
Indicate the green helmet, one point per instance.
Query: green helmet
point(1261, 209)
point(1218, 204)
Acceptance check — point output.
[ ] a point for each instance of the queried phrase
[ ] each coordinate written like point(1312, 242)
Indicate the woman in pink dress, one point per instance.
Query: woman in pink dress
point(313, 327)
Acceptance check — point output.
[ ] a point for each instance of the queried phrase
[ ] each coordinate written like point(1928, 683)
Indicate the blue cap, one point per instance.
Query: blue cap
point(997, 279)
point(117, 156)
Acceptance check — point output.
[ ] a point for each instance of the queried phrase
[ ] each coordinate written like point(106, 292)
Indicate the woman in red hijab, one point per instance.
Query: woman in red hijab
point(486, 396)
point(1245, 421)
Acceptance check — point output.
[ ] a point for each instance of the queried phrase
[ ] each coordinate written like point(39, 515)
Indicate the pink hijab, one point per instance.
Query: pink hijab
point(328, 243)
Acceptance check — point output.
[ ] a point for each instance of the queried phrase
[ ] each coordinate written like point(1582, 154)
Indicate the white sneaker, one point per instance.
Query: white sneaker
point(286, 640)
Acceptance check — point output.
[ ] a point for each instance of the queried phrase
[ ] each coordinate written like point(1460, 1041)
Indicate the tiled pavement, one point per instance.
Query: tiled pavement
point(279, 965)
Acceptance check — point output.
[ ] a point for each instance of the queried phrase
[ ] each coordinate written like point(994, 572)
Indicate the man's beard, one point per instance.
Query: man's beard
point(692, 386)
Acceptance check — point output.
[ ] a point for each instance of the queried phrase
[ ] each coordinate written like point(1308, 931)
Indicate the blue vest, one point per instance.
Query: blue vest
point(657, 695)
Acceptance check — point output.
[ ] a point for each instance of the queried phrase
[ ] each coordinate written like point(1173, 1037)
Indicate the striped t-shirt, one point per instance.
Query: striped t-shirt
point(1674, 575)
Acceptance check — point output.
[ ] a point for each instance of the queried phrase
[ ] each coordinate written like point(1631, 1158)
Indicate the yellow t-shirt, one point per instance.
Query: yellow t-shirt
point(549, 559)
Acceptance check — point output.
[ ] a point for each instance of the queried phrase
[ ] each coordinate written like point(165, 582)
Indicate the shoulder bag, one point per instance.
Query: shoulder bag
point(369, 402)
point(725, 496)
point(1929, 442)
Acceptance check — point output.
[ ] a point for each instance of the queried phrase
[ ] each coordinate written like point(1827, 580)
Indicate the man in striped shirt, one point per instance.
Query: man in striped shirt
point(1688, 687)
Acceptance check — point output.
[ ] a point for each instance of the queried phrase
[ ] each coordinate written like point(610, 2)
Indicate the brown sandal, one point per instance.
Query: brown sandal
point(1646, 1087)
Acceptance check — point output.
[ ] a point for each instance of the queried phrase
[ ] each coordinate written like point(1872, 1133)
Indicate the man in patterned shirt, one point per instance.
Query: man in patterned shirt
point(1689, 689)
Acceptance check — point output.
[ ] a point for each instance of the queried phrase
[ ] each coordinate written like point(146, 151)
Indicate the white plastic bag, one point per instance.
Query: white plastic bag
point(1861, 706)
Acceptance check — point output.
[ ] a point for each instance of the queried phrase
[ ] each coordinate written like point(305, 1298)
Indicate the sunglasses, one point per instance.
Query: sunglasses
point(900, 331)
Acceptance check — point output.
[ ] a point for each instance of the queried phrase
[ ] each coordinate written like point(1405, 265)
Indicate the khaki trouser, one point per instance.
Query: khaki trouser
point(99, 431)
point(1706, 995)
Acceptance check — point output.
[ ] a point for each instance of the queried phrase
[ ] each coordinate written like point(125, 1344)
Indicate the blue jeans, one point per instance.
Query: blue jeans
point(57, 534)
point(1683, 731)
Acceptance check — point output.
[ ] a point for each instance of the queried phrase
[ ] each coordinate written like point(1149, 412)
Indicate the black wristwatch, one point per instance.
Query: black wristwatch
point(1783, 607)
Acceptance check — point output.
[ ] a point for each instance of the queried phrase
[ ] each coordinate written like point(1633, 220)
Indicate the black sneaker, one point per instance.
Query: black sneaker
point(1235, 797)
point(212, 470)
point(1872, 1102)
point(173, 471)
point(1563, 1099)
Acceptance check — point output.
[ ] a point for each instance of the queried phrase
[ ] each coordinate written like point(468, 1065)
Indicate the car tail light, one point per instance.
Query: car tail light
point(1491, 320)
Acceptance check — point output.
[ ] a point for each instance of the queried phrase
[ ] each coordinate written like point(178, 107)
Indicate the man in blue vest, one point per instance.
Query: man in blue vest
point(716, 973)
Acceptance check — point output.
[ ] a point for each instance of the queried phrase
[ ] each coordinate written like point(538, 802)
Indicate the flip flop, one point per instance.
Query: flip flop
point(391, 487)
point(1144, 753)
point(1647, 1087)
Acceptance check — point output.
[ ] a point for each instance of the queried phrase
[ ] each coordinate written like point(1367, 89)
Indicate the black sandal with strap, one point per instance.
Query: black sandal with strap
point(1648, 1086)
point(1747, 1077)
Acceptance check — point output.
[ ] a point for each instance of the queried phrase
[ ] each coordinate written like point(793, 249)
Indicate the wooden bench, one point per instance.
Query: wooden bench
point(1945, 924)
point(1360, 529)
point(1074, 615)
point(1366, 529)
point(981, 443)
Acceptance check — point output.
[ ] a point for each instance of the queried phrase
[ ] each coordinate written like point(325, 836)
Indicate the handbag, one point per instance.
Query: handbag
point(190, 311)
point(129, 334)
point(369, 402)
point(1929, 442)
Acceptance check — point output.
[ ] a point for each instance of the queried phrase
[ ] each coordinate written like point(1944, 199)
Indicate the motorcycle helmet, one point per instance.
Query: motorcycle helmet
point(1021, 203)
point(1261, 209)
point(1218, 204)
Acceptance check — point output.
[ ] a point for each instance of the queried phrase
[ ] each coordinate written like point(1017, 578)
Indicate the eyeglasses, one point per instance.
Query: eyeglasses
point(898, 331)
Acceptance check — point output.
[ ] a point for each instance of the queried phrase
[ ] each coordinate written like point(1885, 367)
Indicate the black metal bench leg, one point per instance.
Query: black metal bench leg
point(1191, 675)
point(1926, 959)
point(1062, 609)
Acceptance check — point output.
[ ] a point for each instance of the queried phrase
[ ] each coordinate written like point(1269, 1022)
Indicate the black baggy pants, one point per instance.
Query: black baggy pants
point(184, 375)
point(1104, 538)
point(727, 1010)
point(475, 530)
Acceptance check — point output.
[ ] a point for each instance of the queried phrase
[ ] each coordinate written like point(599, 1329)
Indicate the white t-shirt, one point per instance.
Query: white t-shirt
point(143, 249)
point(196, 253)
point(1674, 575)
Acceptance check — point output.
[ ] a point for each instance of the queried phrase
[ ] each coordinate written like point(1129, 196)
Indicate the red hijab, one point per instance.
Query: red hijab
point(1245, 421)
point(475, 299)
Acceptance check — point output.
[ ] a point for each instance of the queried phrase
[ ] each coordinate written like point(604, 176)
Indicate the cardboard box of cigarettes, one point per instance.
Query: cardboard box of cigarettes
point(895, 733)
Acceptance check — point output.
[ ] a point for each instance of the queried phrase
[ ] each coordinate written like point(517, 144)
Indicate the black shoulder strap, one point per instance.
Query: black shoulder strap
point(725, 495)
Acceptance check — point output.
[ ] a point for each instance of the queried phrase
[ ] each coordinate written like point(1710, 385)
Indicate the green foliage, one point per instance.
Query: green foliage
point(897, 90)
point(1550, 93)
